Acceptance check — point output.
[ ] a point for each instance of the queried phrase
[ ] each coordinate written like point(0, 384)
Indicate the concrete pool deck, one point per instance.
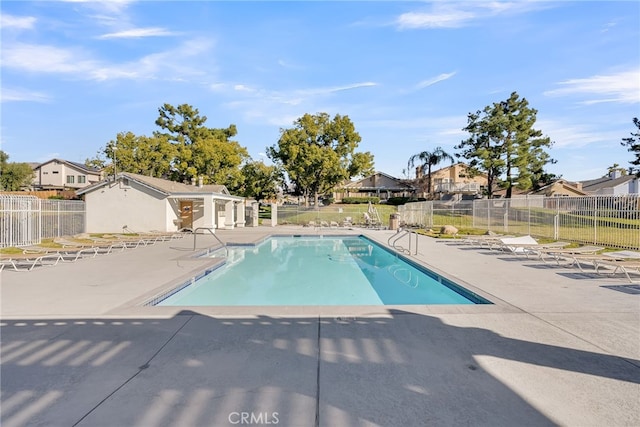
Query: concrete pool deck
point(556, 348)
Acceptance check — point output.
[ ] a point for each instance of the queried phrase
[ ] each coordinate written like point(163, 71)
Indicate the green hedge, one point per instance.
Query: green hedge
point(360, 200)
point(396, 201)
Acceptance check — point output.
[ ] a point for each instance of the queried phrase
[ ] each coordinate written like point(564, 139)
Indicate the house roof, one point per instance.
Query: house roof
point(401, 184)
point(570, 186)
point(459, 164)
point(593, 185)
point(76, 165)
point(166, 187)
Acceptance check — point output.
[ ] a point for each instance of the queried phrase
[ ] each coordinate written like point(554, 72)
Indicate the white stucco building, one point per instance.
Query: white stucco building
point(141, 203)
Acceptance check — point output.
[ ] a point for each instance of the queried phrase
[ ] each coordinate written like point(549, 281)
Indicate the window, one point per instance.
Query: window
point(45, 173)
point(70, 179)
point(55, 172)
point(82, 179)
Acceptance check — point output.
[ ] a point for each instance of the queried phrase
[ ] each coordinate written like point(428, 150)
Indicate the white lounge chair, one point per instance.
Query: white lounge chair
point(527, 245)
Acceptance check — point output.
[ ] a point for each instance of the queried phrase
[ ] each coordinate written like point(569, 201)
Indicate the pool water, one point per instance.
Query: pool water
point(318, 271)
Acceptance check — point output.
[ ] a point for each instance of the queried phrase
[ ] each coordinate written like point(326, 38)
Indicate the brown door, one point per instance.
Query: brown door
point(186, 214)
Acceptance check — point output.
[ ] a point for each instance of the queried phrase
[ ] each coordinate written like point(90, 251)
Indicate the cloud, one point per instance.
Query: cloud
point(412, 20)
point(173, 64)
point(138, 33)
point(43, 58)
point(279, 107)
point(434, 80)
point(15, 95)
point(622, 87)
point(570, 135)
point(455, 15)
point(19, 22)
point(108, 6)
point(328, 90)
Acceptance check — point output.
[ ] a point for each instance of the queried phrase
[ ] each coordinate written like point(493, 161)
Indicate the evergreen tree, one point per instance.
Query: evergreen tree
point(504, 144)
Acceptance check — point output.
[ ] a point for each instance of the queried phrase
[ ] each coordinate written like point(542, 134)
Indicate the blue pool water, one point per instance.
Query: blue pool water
point(319, 271)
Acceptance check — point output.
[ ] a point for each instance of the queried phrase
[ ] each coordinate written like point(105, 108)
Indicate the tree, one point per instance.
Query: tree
point(201, 151)
point(260, 181)
point(616, 168)
point(427, 159)
point(318, 153)
point(151, 156)
point(633, 145)
point(503, 143)
point(14, 176)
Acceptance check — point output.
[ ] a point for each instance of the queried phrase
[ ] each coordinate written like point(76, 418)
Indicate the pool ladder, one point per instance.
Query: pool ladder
point(210, 230)
point(394, 241)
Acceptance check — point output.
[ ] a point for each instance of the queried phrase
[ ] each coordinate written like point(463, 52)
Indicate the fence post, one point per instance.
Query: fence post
point(473, 214)
point(274, 214)
point(595, 220)
point(528, 215)
point(39, 221)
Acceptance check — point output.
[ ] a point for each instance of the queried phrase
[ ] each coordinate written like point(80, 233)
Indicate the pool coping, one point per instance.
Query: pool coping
point(141, 305)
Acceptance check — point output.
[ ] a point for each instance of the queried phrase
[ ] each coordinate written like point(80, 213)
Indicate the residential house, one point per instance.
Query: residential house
point(58, 174)
point(560, 188)
point(454, 179)
point(614, 184)
point(377, 185)
point(141, 203)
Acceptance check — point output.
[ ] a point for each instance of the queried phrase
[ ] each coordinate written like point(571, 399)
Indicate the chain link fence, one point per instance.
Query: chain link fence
point(612, 221)
point(26, 220)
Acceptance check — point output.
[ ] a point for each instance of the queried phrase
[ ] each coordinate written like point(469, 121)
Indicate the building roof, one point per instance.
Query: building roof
point(594, 185)
point(402, 185)
point(81, 166)
point(567, 185)
point(163, 186)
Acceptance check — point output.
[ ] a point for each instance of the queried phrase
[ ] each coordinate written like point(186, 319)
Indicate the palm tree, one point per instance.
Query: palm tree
point(428, 159)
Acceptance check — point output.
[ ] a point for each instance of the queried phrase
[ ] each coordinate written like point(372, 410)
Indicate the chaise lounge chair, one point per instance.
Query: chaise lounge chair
point(27, 262)
point(527, 245)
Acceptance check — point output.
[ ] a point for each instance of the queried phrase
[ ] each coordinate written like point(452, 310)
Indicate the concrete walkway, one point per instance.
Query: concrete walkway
point(555, 348)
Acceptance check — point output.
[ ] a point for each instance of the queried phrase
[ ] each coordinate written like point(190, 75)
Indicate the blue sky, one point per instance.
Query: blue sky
point(75, 73)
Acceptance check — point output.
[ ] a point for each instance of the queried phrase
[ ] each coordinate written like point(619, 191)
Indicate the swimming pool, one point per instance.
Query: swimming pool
point(308, 270)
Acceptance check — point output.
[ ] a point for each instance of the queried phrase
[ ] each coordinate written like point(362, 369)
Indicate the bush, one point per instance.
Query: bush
point(396, 201)
point(360, 200)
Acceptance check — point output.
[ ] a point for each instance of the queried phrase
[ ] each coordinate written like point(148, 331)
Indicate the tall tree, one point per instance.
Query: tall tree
point(14, 176)
point(427, 159)
point(201, 151)
point(504, 144)
point(616, 168)
point(260, 181)
point(318, 153)
point(151, 156)
point(633, 145)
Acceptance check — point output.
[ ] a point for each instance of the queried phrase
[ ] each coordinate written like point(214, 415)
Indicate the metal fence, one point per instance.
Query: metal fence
point(340, 214)
point(612, 221)
point(26, 220)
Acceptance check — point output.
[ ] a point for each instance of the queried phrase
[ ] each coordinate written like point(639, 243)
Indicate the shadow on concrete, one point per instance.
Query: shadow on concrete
point(403, 369)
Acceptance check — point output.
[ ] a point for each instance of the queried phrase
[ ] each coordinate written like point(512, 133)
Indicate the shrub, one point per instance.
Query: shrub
point(396, 201)
point(360, 200)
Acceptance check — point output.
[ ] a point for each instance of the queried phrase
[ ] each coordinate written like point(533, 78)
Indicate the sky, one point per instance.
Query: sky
point(74, 74)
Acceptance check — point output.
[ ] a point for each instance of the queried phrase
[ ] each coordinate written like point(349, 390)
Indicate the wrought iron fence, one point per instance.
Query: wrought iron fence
point(612, 221)
point(26, 220)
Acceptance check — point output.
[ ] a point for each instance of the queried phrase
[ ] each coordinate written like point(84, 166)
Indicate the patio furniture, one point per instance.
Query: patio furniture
point(527, 245)
point(27, 262)
point(621, 261)
point(570, 254)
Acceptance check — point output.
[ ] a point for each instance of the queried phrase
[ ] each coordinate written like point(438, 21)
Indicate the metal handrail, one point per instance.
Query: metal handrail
point(396, 237)
point(195, 233)
point(400, 235)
